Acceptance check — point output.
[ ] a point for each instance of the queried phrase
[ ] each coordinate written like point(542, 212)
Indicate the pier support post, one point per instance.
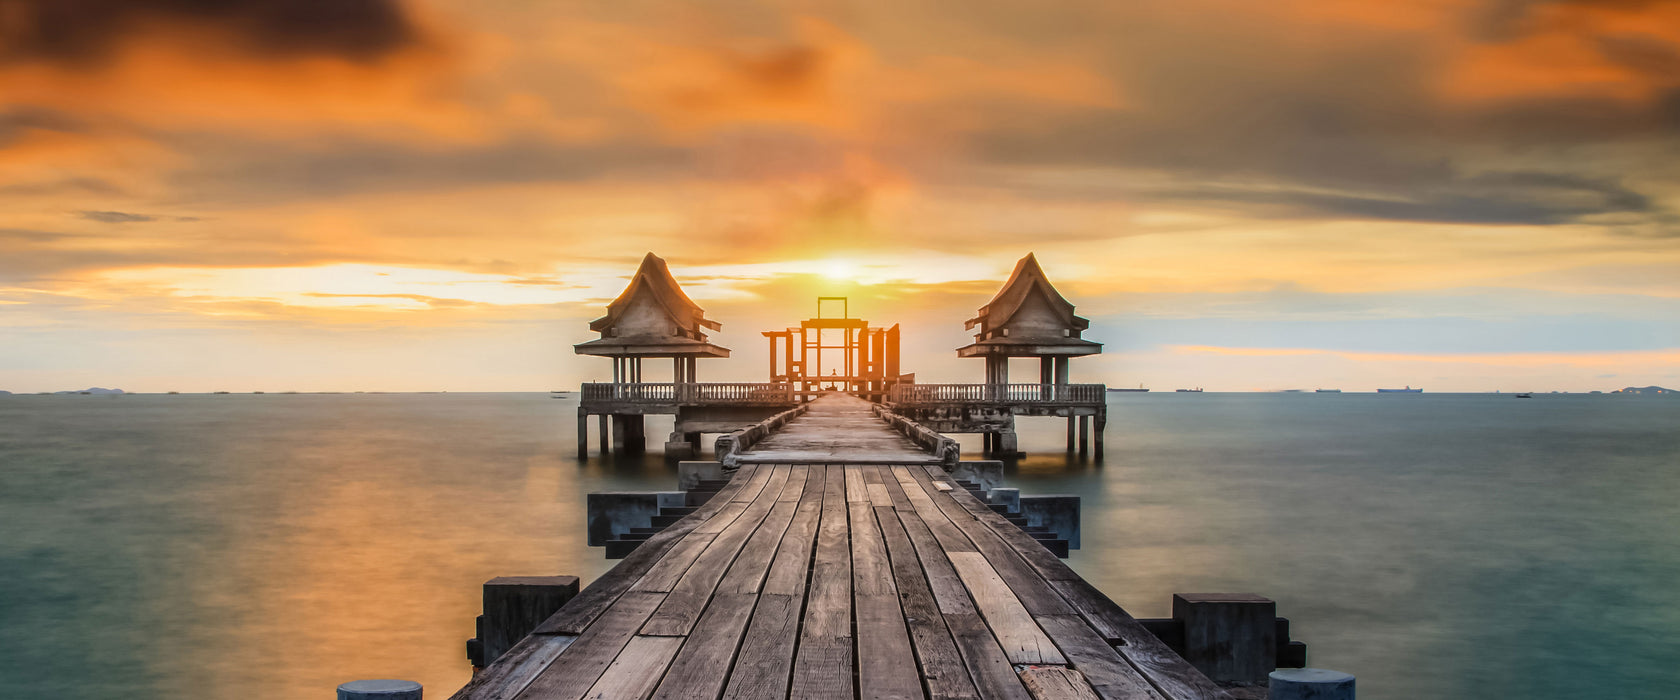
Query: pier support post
point(1006, 443)
point(605, 434)
point(583, 434)
point(1084, 434)
point(1101, 420)
point(1070, 423)
point(618, 430)
point(1229, 636)
point(678, 446)
point(382, 689)
point(515, 605)
point(1309, 684)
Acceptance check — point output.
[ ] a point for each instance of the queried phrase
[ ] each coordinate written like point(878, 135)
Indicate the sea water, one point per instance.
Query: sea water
point(273, 546)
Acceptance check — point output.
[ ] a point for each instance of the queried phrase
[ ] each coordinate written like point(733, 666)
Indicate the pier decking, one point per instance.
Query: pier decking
point(837, 429)
point(824, 574)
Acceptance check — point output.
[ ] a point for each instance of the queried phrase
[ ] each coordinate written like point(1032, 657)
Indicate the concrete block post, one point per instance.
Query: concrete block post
point(690, 474)
point(678, 446)
point(612, 513)
point(988, 473)
point(515, 605)
point(1309, 684)
point(1008, 498)
point(1059, 513)
point(1229, 636)
point(381, 689)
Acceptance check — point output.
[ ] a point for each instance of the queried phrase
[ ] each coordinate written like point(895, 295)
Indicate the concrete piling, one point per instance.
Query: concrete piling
point(379, 689)
point(1309, 684)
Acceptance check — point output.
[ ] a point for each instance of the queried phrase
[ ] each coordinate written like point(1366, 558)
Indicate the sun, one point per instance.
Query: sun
point(840, 269)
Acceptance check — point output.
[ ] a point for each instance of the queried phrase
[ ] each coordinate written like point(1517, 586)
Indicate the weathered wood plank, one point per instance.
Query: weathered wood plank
point(993, 675)
point(663, 576)
point(631, 676)
point(1031, 588)
point(510, 674)
point(950, 538)
point(595, 598)
point(886, 663)
point(1056, 683)
point(948, 590)
point(702, 667)
point(765, 662)
point(1109, 675)
point(895, 490)
point(936, 655)
point(823, 662)
point(684, 604)
point(856, 492)
point(1171, 675)
point(1022, 641)
point(582, 663)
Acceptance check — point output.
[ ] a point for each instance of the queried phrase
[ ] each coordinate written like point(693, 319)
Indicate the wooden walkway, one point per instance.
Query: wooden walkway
point(840, 581)
point(837, 429)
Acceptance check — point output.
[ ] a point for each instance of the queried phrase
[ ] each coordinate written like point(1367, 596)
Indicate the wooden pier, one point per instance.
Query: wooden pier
point(840, 568)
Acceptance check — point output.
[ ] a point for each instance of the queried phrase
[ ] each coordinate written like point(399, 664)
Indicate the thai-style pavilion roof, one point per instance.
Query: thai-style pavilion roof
point(653, 318)
point(1028, 317)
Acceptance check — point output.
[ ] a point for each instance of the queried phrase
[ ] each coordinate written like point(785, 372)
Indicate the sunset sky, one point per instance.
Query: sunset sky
point(1463, 195)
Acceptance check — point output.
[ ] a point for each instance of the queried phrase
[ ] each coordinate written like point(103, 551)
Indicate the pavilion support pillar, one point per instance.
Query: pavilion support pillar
point(1101, 420)
point(1006, 443)
point(1084, 434)
point(1070, 429)
point(583, 433)
point(1061, 371)
point(619, 428)
point(605, 434)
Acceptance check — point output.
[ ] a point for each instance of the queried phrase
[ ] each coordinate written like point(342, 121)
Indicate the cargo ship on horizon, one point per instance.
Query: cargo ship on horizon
point(1407, 390)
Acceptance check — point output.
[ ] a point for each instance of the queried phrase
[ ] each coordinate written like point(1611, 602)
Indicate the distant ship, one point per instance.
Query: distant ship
point(1196, 390)
point(1327, 391)
point(1525, 395)
point(1407, 390)
point(1139, 388)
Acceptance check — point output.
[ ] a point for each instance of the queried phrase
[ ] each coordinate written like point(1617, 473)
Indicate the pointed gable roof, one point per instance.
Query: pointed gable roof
point(681, 332)
point(1027, 278)
point(1028, 287)
point(654, 279)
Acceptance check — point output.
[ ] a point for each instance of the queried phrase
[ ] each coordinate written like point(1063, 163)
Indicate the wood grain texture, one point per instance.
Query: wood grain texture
point(991, 671)
point(1056, 683)
point(1110, 675)
point(823, 660)
point(936, 655)
point(595, 598)
point(631, 676)
point(582, 663)
point(886, 664)
point(684, 604)
point(1022, 641)
point(515, 670)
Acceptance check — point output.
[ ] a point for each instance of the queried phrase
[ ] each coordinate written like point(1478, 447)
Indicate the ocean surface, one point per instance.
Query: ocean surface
point(273, 546)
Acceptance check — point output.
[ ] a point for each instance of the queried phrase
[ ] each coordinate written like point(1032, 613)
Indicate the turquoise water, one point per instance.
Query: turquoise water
point(1441, 546)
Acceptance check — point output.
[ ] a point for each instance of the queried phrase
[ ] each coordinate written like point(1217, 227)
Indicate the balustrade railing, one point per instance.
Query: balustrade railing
point(689, 393)
point(921, 394)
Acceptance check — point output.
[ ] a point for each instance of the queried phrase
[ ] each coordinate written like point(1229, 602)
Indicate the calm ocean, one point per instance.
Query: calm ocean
point(272, 546)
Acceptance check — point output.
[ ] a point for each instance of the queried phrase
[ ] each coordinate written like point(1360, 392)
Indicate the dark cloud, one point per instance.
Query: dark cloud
point(1494, 198)
point(115, 217)
point(123, 217)
point(1504, 20)
point(246, 171)
point(83, 31)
